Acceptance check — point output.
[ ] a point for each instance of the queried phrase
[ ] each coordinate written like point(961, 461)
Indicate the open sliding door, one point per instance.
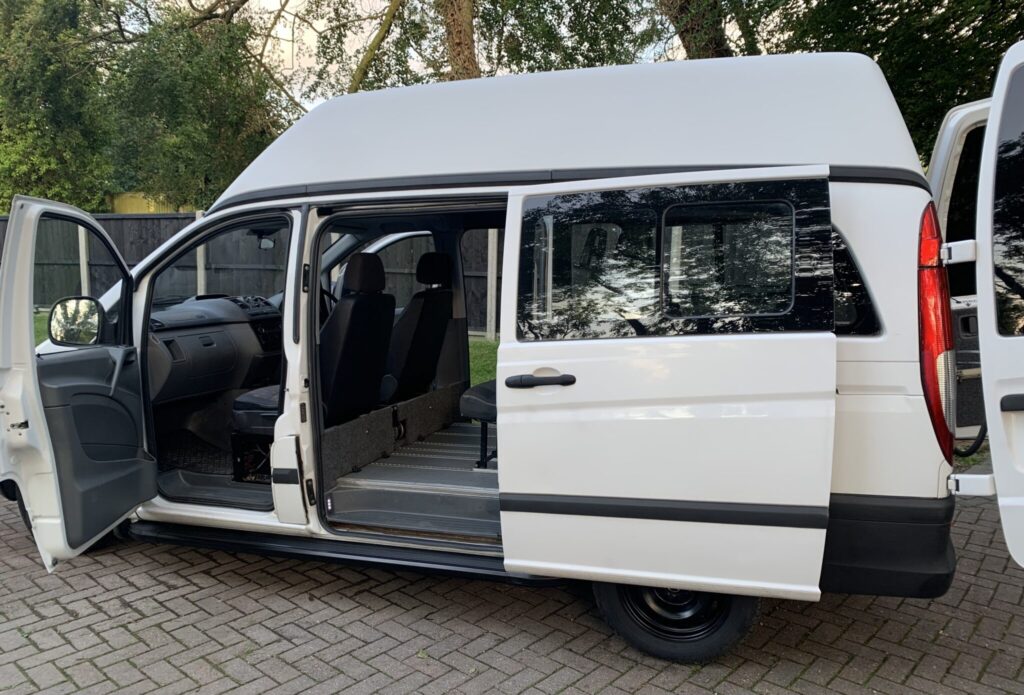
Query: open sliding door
point(667, 379)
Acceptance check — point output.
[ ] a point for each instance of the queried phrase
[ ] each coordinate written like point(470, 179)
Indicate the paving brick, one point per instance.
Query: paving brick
point(139, 618)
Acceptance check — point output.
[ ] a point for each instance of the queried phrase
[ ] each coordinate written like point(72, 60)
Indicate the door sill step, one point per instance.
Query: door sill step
point(336, 551)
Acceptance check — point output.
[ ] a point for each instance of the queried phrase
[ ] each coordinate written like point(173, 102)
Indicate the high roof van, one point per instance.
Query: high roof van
point(725, 371)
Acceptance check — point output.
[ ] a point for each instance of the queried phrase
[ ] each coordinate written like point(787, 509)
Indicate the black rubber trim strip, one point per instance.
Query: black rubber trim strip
point(297, 281)
point(329, 550)
point(1014, 403)
point(284, 476)
point(886, 175)
point(885, 508)
point(857, 174)
point(789, 516)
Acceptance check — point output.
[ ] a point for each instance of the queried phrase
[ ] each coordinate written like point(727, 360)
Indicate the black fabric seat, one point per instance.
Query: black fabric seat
point(354, 341)
point(353, 348)
point(420, 330)
point(480, 403)
point(256, 411)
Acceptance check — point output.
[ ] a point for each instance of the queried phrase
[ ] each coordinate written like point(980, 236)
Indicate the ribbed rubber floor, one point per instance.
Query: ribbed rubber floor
point(432, 486)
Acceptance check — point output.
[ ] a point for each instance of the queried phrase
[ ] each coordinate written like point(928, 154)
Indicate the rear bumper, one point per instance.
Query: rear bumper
point(889, 546)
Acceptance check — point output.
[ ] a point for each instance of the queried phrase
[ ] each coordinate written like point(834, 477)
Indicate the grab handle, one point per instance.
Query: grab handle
point(528, 381)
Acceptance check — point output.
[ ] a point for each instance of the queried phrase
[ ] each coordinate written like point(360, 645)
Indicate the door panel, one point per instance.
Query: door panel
point(1000, 267)
point(697, 326)
point(71, 417)
point(102, 469)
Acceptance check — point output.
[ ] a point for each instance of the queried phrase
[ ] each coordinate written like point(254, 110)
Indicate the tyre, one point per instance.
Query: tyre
point(678, 625)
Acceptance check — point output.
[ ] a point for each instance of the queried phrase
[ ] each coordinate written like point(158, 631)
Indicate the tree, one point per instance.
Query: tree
point(700, 26)
point(195, 107)
point(934, 55)
point(54, 125)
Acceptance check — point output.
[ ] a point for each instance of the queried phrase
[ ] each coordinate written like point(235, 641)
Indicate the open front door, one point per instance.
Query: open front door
point(71, 417)
point(1000, 269)
point(667, 379)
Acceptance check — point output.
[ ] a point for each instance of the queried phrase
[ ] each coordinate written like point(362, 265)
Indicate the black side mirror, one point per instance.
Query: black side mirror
point(76, 321)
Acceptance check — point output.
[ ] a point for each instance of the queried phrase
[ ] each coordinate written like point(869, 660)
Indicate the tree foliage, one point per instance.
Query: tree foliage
point(935, 55)
point(174, 98)
point(53, 124)
point(195, 109)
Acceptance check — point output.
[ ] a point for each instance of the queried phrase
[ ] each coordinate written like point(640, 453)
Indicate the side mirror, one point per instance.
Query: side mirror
point(76, 321)
point(266, 243)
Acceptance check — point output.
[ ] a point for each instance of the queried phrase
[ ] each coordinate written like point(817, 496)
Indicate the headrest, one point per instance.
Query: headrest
point(434, 269)
point(363, 274)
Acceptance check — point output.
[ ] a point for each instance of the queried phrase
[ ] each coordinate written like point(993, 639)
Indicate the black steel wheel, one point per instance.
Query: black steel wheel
point(676, 624)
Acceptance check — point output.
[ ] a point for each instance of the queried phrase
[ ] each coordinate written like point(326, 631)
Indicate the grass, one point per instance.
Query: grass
point(41, 320)
point(483, 360)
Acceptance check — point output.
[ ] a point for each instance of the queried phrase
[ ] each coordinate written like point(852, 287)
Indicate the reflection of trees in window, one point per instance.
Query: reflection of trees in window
point(1008, 227)
point(666, 261)
point(729, 259)
point(588, 267)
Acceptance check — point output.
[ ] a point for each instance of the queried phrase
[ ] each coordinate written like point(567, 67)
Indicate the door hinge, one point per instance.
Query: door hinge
point(309, 493)
point(968, 485)
point(305, 277)
point(959, 252)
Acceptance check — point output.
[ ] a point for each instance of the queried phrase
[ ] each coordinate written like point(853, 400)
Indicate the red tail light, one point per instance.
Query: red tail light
point(938, 363)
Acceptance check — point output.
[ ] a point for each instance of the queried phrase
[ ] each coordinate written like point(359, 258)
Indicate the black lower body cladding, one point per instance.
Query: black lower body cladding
point(889, 546)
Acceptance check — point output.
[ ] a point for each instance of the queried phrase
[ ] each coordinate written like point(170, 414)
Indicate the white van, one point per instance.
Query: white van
point(725, 368)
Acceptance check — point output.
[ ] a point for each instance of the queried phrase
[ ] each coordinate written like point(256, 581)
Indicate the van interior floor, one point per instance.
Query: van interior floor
point(193, 471)
point(432, 486)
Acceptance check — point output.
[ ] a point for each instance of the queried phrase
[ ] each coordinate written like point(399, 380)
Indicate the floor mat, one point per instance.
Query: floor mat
point(184, 450)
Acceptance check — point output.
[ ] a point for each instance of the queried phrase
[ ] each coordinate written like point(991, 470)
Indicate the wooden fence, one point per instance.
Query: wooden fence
point(59, 274)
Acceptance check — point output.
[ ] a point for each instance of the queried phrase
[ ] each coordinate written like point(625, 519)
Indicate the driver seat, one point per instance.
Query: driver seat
point(353, 349)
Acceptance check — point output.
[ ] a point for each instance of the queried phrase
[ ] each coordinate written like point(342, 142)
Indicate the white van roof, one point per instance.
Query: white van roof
point(821, 108)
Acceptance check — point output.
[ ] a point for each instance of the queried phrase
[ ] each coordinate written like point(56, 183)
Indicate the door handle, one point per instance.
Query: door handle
point(1014, 403)
point(528, 381)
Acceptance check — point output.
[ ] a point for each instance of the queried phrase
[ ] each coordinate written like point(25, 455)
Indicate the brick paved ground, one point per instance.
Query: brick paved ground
point(148, 618)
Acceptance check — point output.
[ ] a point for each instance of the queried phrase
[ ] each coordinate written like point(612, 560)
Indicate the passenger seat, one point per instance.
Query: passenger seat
point(420, 330)
point(354, 341)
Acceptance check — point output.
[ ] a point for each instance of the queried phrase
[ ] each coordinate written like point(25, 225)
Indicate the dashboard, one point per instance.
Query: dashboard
point(214, 343)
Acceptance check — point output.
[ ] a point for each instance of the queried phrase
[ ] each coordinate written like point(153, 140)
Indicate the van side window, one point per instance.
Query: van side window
point(729, 259)
point(711, 258)
point(855, 314)
point(590, 274)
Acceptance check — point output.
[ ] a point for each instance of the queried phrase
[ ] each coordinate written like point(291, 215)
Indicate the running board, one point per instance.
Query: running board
point(336, 551)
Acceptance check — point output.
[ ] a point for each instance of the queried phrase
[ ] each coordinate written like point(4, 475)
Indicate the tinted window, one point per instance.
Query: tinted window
point(667, 261)
point(855, 314)
point(729, 259)
point(1008, 212)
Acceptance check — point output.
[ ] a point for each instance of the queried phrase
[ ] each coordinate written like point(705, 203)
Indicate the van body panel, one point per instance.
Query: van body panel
point(502, 127)
point(884, 440)
point(1000, 257)
point(671, 442)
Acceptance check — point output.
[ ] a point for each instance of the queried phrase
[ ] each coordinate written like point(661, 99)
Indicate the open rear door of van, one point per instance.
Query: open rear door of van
point(71, 417)
point(667, 380)
point(1000, 268)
